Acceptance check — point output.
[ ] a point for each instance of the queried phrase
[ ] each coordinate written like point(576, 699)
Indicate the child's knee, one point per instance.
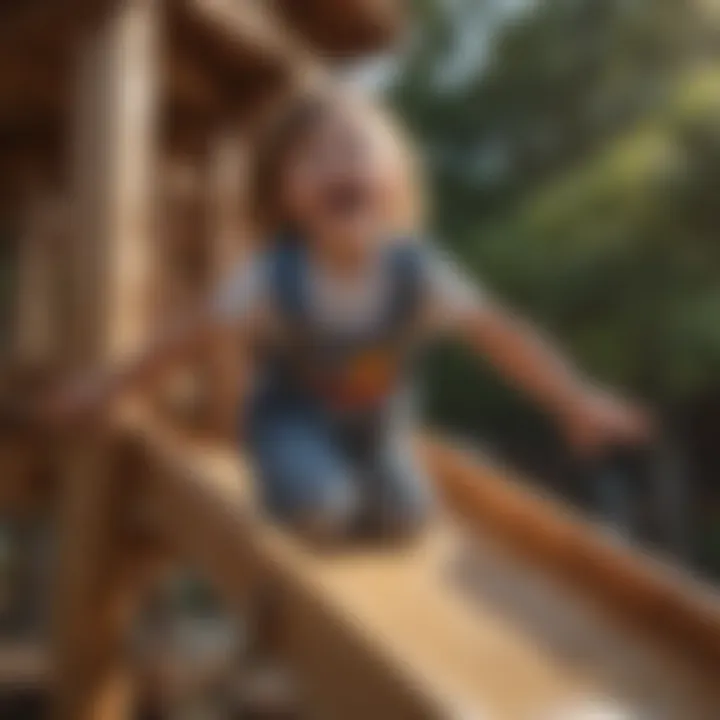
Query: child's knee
point(405, 505)
point(407, 517)
point(329, 515)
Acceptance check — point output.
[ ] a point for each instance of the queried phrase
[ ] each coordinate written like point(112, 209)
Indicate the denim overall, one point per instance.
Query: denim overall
point(328, 428)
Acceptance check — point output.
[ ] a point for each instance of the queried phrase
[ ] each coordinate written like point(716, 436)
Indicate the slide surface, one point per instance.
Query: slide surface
point(499, 640)
point(453, 625)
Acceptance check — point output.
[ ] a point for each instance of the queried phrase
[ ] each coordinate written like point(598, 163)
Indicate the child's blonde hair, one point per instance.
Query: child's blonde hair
point(295, 119)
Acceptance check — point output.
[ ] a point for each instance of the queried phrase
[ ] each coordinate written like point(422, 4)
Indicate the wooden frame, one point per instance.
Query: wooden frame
point(115, 156)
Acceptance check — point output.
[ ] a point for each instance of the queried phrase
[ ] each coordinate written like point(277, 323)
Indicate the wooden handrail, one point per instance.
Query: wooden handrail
point(666, 602)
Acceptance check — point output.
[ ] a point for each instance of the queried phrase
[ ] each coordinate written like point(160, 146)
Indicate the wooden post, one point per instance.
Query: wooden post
point(228, 236)
point(114, 155)
point(114, 143)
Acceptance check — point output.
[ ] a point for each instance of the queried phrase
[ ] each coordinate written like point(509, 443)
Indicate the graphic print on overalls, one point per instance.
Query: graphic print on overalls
point(362, 378)
point(349, 372)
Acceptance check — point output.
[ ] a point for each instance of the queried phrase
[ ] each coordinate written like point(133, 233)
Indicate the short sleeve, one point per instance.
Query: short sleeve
point(451, 292)
point(242, 294)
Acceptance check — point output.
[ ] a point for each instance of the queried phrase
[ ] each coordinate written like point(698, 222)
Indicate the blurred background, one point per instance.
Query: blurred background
point(573, 152)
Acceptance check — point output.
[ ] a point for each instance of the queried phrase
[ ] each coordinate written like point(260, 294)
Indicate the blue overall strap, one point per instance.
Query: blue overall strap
point(287, 270)
point(408, 261)
point(408, 269)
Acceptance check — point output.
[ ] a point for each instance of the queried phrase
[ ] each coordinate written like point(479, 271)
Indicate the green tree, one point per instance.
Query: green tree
point(574, 156)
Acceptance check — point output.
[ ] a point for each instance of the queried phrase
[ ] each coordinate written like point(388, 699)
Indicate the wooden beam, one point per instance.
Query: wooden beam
point(251, 29)
point(114, 159)
point(114, 147)
point(243, 44)
point(94, 601)
point(345, 30)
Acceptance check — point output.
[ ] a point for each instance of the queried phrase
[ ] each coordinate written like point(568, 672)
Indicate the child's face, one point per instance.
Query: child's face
point(336, 182)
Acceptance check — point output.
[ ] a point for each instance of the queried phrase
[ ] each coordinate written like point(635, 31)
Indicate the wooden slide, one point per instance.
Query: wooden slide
point(510, 610)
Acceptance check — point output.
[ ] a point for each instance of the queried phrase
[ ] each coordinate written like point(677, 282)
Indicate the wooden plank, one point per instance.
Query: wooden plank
point(244, 48)
point(452, 626)
point(289, 31)
point(114, 146)
point(248, 30)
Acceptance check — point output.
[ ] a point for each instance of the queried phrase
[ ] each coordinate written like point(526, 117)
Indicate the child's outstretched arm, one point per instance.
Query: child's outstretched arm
point(589, 417)
point(176, 344)
point(228, 310)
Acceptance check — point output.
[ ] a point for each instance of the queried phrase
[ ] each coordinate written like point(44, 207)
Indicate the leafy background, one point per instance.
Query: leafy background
point(573, 148)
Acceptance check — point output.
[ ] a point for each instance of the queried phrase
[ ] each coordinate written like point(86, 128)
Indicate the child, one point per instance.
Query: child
point(337, 302)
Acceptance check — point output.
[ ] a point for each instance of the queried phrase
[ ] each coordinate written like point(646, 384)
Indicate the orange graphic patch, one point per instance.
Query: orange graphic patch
point(364, 379)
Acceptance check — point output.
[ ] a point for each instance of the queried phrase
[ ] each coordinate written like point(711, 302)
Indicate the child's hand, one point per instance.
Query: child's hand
point(596, 420)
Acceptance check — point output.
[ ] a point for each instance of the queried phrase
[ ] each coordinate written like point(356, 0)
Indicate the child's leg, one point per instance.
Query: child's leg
point(303, 479)
point(399, 500)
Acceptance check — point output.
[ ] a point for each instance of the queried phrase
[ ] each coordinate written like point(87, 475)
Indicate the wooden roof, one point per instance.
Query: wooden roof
point(218, 51)
point(328, 27)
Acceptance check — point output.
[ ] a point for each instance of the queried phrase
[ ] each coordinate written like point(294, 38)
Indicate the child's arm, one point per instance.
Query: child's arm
point(93, 391)
point(589, 417)
point(229, 309)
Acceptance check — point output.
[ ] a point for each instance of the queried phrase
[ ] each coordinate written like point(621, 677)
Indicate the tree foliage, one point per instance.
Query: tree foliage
point(574, 152)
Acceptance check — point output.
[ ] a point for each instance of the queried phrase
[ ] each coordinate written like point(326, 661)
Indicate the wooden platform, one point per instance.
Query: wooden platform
point(452, 626)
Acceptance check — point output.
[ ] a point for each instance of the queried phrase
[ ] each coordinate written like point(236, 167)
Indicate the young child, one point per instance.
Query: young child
point(336, 303)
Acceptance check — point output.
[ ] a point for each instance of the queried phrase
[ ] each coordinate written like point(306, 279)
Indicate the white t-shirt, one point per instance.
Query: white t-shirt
point(350, 304)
